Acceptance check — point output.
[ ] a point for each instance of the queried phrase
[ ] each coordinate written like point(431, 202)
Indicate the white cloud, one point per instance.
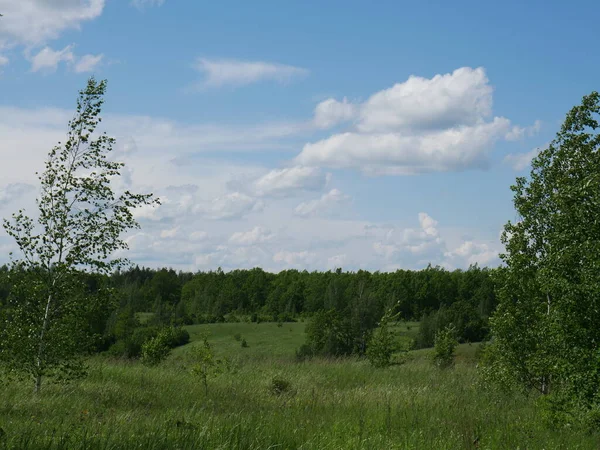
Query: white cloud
point(517, 132)
point(428, 224)
point(400, 153)
point(34, 22)
point(421, 125)
point(330, 112)
point(336, 261)
point(462, 97)
point(230, 206)
point(88, 63)
point(170, 233)
point(327, 203)
point(47, 59)
point(141, 4)
point(257, 235)
point(519, 161)
point(294, 258)
point(222, 72)
point(290, 180)
point(470, 252)
point(3, 60)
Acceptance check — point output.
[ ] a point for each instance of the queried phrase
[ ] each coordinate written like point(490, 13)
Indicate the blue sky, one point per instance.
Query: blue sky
point(301, 134)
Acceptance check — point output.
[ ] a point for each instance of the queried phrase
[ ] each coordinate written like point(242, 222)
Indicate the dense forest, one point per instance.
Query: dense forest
point(144, 300)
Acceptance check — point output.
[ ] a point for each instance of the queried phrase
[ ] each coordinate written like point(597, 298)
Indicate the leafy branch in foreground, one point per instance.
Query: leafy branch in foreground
point(78, 229)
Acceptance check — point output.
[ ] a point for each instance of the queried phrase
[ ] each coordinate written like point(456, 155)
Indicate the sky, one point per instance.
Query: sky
point(301, 134)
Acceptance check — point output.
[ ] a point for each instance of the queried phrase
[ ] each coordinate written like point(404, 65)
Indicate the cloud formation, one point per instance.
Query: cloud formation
point(88, 63)
point(232, 72)
point(327, 204)
point(421, 125)
point(34, 22)
point(47, 59)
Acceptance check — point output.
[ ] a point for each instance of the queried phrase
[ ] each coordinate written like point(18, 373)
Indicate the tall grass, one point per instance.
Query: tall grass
point(344, 404)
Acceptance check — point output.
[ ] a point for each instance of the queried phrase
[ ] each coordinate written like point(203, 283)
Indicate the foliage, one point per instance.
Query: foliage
point(444, 347)
point(206, 364)
point(469, 325)
point(79, 227)
point(545, 330)
point(328, 334)
point(156, 349)
point(131, 345)
point(382, 345)
point(280, 385)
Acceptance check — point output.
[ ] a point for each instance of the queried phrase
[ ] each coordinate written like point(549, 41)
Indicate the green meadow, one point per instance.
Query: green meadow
point(265, 399)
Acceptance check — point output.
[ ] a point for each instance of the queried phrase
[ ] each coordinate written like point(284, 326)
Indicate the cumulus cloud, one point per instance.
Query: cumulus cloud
point(88, 63)
point(462, 97)
point(230, 206)
point(470, 252)
point(331, 112)
point(302, 258)
point(47, 59)
point(327, 203)
point(279, 182)
point(223, 72)
point(34, 22)
point(257, 235)
point(170, 233)
point(421, 125)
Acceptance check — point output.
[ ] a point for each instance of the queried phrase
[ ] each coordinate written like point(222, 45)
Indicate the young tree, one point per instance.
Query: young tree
point(382, 345)
point(545, 329)
point(78, 228)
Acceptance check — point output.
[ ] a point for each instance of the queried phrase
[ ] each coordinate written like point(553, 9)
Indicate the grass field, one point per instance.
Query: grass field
point(330, 404)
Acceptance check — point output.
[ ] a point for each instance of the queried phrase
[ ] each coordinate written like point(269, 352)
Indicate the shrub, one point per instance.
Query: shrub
point(207, 365)
point(328, 334)
point(445, 344)
point(381, 344)
point(280, 385)
point(244, 343)
point(156, 349)
point(381, 347)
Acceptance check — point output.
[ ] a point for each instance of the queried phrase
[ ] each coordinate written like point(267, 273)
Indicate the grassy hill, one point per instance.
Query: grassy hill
point(264, 399)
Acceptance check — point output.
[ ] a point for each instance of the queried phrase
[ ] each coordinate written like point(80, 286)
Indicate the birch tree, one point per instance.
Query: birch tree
point(546, 333)
point(78, 227)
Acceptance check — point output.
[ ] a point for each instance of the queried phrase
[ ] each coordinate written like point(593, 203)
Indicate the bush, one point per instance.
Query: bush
point(156, 349)
point(328, 334)
point(280, 386)
point(445, 344)
point(131, 347)
point(381, 347)
point(244, 343)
